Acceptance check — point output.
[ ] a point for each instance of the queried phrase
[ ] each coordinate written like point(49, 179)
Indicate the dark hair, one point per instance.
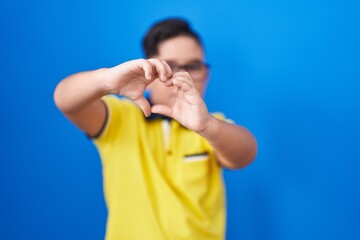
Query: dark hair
point(164, 30)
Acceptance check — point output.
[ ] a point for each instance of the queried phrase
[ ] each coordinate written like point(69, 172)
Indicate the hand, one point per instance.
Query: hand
point(130, 79)
point(189, 109)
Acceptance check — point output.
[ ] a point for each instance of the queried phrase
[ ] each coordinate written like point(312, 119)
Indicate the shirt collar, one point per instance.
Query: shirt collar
point(154, 116)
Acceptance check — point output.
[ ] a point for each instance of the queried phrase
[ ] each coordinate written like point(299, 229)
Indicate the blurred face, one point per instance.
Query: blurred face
point(182, 53)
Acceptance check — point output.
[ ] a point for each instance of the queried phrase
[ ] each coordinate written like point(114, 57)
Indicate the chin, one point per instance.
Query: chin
point(163, 100)
point(169, 101)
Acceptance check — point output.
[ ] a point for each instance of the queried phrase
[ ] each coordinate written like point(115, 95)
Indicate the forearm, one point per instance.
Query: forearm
point(79, 90)
point(235, 146)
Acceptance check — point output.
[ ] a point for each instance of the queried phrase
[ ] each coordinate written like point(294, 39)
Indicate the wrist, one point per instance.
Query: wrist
point(210, 129)
point(104, 81)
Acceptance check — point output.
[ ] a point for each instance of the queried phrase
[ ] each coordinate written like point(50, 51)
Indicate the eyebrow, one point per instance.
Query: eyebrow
point(189, 62)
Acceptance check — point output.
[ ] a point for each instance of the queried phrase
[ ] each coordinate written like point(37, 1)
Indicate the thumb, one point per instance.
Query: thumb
point(144, 105)
point(162, 109)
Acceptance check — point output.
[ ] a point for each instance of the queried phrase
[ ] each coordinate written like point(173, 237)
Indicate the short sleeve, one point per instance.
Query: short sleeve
point(115, 111)
point(221, 116)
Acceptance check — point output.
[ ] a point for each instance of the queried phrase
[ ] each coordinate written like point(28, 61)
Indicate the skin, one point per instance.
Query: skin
point(175, 94)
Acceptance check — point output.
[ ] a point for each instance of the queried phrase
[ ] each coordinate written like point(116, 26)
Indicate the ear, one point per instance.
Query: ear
point(207, 74)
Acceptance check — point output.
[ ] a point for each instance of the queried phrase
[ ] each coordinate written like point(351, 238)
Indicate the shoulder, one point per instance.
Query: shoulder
point(120, 106)
point(222, 116)
point(113, 99)
point(122, 116)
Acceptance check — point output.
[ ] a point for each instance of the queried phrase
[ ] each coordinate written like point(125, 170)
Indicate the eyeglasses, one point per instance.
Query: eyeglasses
point(195, 69)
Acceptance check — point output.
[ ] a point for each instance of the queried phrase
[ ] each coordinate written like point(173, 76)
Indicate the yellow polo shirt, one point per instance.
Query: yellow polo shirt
point(158, 184)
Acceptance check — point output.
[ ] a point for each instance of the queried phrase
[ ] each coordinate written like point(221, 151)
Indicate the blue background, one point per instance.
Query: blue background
point(288, 70)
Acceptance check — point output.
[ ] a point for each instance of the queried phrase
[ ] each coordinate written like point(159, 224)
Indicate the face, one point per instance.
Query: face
point(181, 53)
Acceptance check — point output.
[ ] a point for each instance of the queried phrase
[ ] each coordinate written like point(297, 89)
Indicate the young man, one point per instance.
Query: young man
point(162, 171)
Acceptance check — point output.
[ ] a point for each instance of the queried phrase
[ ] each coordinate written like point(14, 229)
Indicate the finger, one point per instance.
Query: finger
point(143, 105)
point(184, 76)
point(148, 70)
point(168, 83)
point(160, 68)
point(162, 109)
point(183, 83)
point(168, 69)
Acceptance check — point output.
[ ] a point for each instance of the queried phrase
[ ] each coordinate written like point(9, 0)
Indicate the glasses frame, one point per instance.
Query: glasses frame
point(187, 67)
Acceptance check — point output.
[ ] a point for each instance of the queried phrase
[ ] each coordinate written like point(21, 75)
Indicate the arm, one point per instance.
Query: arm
point(234, 146)
point(78, 96)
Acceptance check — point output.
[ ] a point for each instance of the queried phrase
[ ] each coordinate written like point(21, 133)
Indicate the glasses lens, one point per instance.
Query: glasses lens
point(196, 69)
